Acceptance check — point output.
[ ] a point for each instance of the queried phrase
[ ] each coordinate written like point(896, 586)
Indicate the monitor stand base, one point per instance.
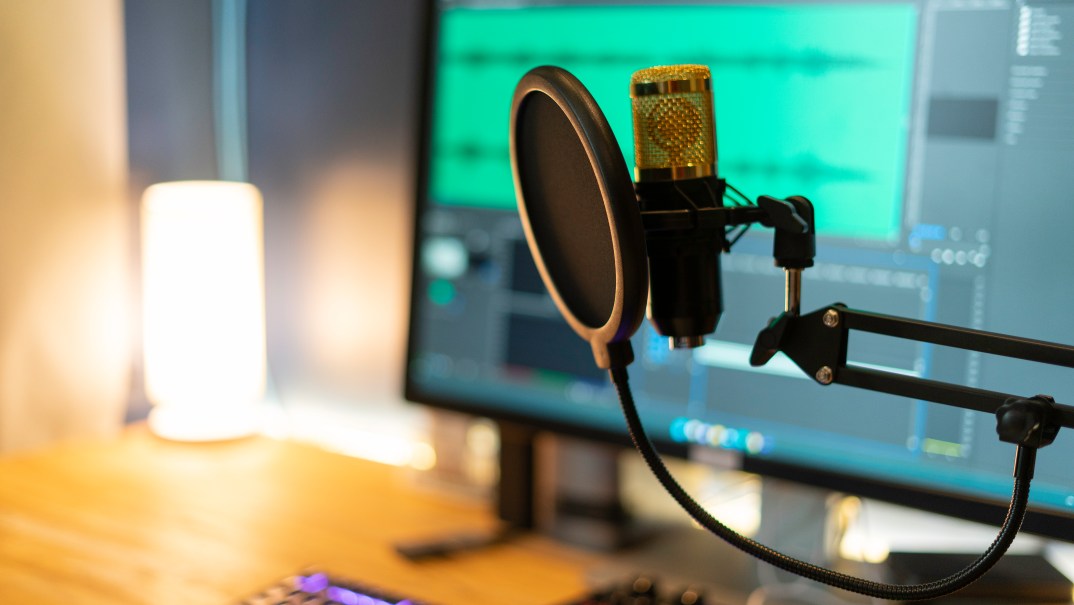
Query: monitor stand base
point(809, 523)
point(1017, 578)
point(794, 519)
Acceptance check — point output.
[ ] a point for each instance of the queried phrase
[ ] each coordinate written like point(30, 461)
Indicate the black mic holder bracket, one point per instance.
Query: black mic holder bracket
point(817, 343)
point(687, 225)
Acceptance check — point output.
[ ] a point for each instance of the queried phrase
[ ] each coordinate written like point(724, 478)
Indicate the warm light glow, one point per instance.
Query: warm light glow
point(204, 309)
point(857, 543)
point(737, 505)
point(856, 546)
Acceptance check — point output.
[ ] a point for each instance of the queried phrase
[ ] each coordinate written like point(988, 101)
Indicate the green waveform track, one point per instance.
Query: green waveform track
point(810, 99)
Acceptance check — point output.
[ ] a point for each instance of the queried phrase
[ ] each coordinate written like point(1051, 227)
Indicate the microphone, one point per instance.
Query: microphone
point(675, 169)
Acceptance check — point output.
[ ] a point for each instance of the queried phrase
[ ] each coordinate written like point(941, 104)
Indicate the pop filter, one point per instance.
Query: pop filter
point(579, 211)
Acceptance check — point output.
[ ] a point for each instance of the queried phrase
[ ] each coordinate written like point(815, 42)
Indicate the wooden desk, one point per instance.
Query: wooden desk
point(141, 520)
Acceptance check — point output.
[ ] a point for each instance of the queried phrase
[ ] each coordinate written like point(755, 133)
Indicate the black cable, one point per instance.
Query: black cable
point(745, 197)
point(739, 200)
point(1024, 463)
point(742, 231)
point(735, 201)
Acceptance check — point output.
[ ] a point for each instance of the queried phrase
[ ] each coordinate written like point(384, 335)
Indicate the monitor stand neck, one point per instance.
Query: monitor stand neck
point(579, 498)
point(565, 487)
point(516, 486)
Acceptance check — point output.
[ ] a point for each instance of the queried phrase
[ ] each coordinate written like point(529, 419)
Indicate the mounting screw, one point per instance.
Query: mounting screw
point(831, 318)
point(824, 375)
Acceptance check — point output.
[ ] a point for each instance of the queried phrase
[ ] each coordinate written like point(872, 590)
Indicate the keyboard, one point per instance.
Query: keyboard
point(318, 588)
point(641, 590)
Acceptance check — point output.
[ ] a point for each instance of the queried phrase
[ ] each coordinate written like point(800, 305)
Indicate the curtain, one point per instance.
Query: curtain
point(65, 223)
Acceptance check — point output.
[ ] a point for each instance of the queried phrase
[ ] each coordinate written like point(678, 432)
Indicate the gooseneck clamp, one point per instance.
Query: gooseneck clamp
point(817, 343)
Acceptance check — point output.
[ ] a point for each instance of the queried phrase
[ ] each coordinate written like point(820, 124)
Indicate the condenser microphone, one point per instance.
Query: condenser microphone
point(675, 169)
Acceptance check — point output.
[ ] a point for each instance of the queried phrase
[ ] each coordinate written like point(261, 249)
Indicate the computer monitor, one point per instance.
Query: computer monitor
point(935, 140)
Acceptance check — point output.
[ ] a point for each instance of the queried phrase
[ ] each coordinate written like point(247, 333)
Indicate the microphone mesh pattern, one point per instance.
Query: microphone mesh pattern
point(673, 122)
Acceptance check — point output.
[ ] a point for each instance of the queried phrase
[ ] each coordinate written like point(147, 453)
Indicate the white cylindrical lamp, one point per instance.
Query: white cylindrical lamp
point(203, 308)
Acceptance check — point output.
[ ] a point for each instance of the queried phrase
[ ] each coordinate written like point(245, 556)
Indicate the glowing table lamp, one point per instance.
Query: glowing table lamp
point(204, 308)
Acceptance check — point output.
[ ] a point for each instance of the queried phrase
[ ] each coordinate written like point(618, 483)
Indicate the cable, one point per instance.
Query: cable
point(741, 231)
point(745, 197)
point(1024, 463)
point(735, 200)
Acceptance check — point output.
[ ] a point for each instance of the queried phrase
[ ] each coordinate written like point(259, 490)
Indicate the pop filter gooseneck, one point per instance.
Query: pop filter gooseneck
point(579, 211)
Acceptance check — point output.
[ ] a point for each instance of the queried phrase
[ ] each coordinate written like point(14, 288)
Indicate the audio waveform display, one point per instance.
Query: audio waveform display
point(811, 99)
point(810, 61)
point(807, 169)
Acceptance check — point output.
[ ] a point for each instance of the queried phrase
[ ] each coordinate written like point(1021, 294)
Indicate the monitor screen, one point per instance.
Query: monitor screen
point(935, 140)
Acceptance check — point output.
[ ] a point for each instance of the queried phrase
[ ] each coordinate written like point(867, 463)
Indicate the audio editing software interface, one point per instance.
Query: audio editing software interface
point(936, 141)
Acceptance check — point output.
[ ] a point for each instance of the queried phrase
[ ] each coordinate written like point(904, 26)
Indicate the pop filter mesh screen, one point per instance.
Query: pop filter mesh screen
point(566, 211)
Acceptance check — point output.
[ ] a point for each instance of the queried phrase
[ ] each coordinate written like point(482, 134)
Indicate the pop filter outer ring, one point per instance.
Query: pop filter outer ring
point(579, 211)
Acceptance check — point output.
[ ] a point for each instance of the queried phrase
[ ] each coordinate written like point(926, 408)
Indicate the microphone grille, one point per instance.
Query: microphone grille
point(674, 134)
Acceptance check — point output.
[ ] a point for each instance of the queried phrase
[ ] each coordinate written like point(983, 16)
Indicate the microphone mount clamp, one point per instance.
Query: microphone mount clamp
point(793, 246)
point(793, 216)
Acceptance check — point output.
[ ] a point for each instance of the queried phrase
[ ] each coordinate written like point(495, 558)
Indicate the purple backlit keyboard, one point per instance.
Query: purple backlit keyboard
point(322, 589)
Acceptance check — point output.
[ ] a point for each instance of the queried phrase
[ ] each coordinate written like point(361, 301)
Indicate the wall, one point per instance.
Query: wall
point(64, 224)
point(332, 100)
